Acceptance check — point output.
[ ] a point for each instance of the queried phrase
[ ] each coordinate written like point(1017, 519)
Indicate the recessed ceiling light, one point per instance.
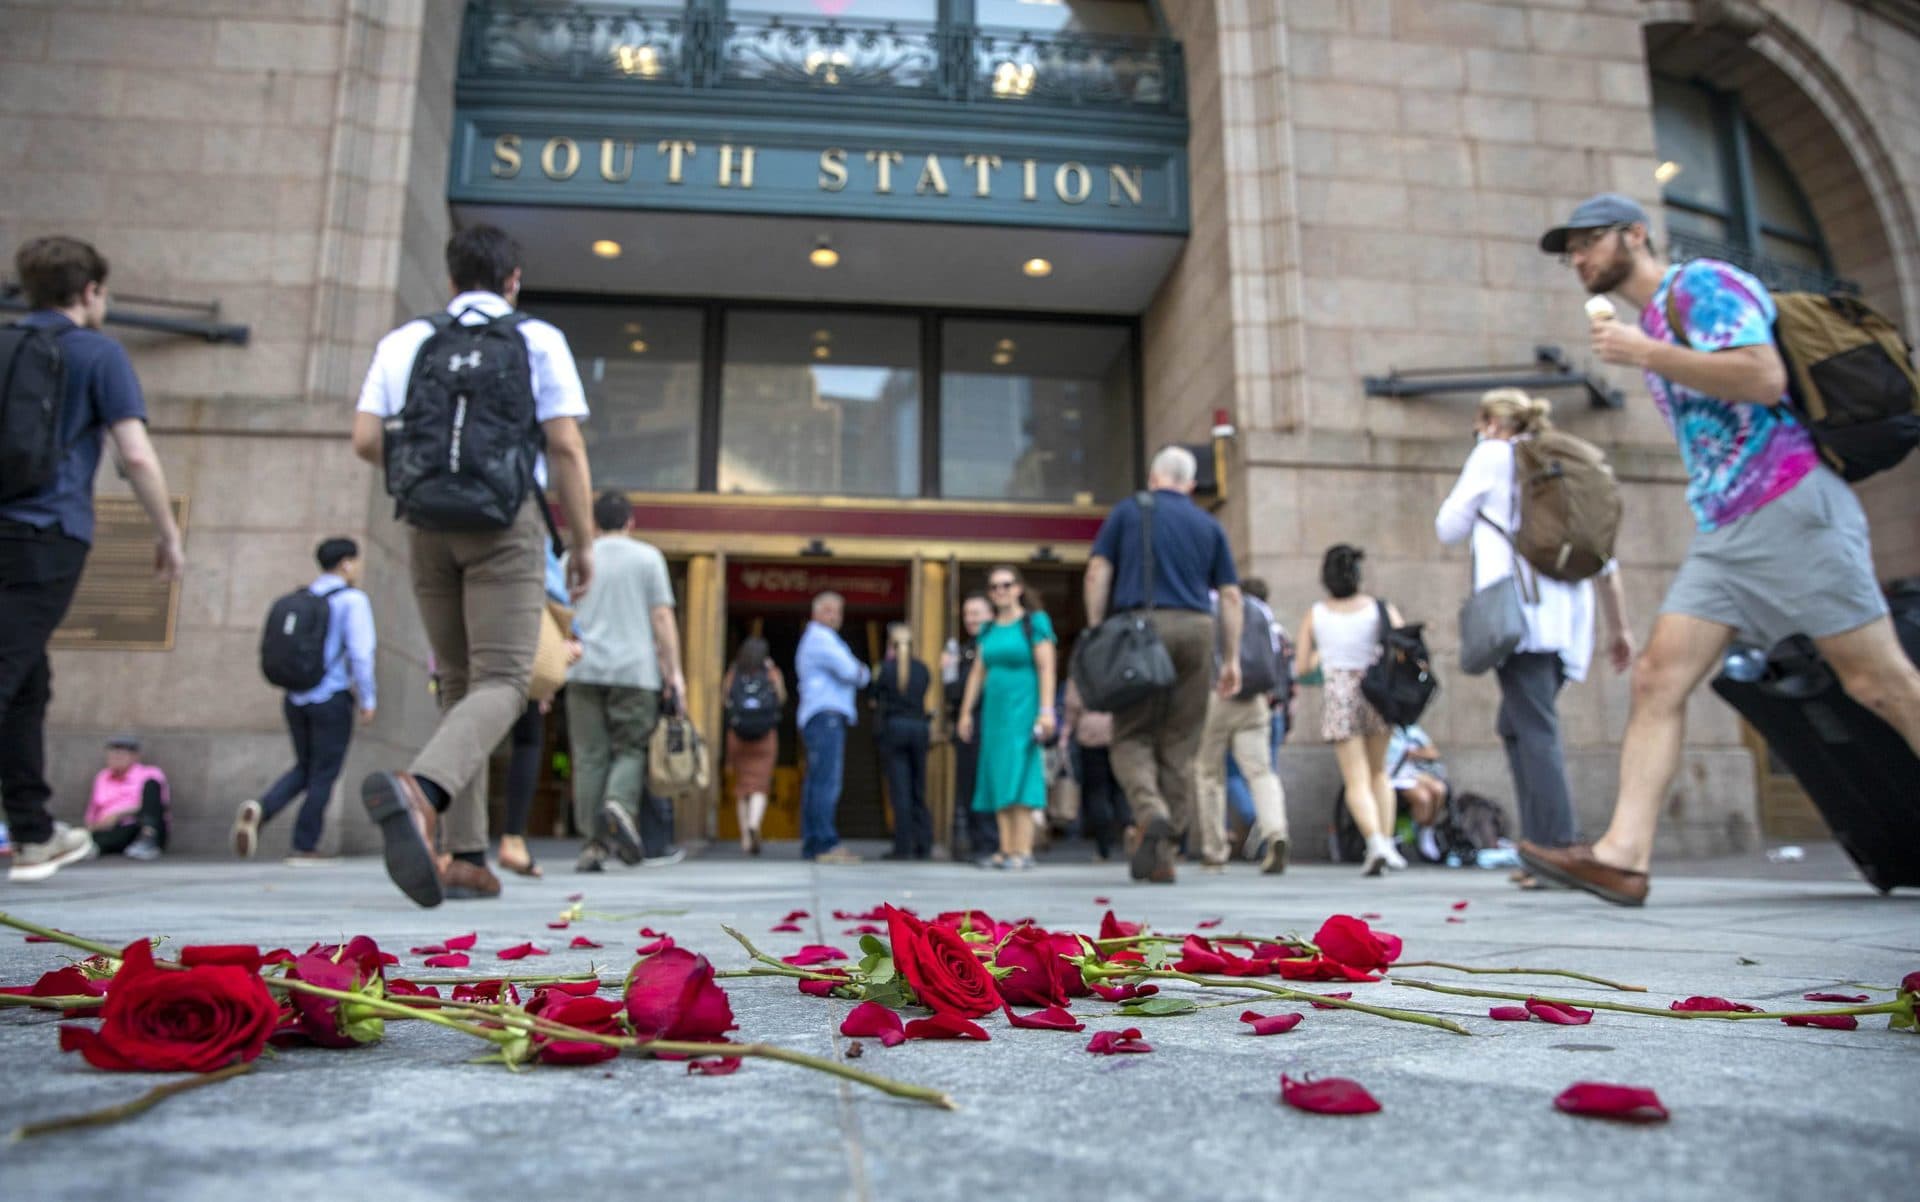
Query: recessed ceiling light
point(1002, 358)
point(823, 352)
point(1665, 172)
point(638, 346)
point(606, 248)
point(823, 255)
point(1037, 268)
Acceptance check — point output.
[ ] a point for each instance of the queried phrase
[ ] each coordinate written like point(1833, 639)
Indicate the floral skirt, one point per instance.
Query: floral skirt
point(1344, 712)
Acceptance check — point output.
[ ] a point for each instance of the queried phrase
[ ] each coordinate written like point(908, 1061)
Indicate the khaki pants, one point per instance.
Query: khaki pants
point(480, 596)
point(1155, 743)
point(608, 727)
point(1245, 729)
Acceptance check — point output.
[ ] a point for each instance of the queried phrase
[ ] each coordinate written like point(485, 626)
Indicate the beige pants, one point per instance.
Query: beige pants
point(480, 596)
point(1155, 743)
point(1244, 728)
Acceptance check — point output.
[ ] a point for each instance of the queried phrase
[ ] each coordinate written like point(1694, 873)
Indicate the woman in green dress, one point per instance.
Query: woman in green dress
point(1013, 671)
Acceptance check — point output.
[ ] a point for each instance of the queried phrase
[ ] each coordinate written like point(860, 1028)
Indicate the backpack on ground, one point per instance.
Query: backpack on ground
point(460, 453)
point(1569, 505)
point(32, 390)
point(753, 705)
point(1261, 671)
point(677, 761)
point(1472, 825)
point(1850, 378)
point(1401, 682)
point(293, 644)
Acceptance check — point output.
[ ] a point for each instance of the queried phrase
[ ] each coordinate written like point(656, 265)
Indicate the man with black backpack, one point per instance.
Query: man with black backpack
point(65, 390)
point(1242, 726)
point(466, 409)
point(1781, 546)
point(318, 645)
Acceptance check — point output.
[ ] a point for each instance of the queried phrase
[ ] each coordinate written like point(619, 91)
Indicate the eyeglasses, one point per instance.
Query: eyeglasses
point(1585, 240)
point(997, 585)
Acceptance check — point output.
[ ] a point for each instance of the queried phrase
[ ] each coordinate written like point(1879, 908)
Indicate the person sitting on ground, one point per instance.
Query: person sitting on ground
point(1419, 779)
point(127, 812)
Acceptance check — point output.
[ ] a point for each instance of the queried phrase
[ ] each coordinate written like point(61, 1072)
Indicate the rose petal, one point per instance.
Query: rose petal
point(796, 916)
point(462, 943)
point(650, 933)
point(237, 955)
point(1834, 997)
point(559, 926)
point(1329, 1095)
point(520, 951)
point(817, 988)
point(1628, 1103)
point(1103, 901)
point(449, 960)
point(785, 927)
point(1341, 996)
point(400, 987)
point(1207, 924)
point(672, 995)
point(1053, 1018)
point(1510, 1014)
point(1460, 905)
point(714, 1066)
point(582, 941)
point(576, 897)
point(1832, 1022)
point(1271, 1024)
point(1451, 918)
point(1566, 1016)
point(1113, 928)
point(1120, 993)
point(1710, 1005)
point(944, 1026)
point(486, 991)
point(871, 1020)
point(1109, 1043)
point(659, 945)
point(430, 949)
point(1371, 916)
point(865, 928)
point(813, 953)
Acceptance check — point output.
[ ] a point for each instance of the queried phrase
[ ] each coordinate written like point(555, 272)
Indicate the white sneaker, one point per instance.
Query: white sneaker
point(38, 861)
point(145, 848)
point(673, 857)
point(246, 829)
point(1391, 852)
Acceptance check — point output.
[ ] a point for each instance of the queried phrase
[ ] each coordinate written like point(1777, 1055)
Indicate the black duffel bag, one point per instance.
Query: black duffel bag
point(1122, 662)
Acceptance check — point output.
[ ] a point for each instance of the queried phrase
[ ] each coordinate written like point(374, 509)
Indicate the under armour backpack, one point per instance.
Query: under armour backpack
point(753, 705)
point(31, 393)
point(460, 453)
point(1569, 505)
point(293, 644)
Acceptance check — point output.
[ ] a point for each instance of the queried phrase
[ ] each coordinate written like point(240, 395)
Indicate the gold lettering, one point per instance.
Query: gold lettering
point(983, 166)
point(931, 176)
point(678, 151)
point(726, 165)
point(506, 155)
point(833, 169)
point(883, 161)
point(1123, 179)
point(547, 157)
point(1028, 190)
point(607, 169)
point(1075, 195)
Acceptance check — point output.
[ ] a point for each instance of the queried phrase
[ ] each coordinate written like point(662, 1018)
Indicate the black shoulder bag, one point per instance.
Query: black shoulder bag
point(1122, 662)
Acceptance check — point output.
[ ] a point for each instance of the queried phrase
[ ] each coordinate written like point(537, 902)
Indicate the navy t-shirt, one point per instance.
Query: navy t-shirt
point(101, 390)
point(1190, 554)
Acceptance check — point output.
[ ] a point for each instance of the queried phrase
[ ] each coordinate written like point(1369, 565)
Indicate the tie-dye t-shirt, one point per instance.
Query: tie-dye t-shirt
point(1738, 456)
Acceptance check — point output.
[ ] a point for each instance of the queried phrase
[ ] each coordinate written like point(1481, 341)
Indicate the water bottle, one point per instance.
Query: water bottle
point(1744, 664)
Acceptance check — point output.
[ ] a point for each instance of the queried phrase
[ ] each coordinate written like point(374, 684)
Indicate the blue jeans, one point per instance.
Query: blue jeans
point(321, 733)
point(1239, 801)
point(825, 737)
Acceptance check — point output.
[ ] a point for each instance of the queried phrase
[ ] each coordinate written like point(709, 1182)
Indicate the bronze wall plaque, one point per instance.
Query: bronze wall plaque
point(121, 605)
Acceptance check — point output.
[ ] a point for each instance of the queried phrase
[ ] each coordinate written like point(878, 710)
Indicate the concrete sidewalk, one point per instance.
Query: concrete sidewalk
point(1759, 1110)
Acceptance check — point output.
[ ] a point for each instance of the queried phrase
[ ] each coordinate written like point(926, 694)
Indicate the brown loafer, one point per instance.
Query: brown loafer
point(406, 820)
point(463, 881)
point(1576, 868)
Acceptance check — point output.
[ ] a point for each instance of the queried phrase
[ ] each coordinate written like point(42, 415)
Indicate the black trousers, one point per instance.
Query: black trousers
point(904, 745)
point(320, 734)
point(974, 834)
point(152, 816)
point(39, 570)
point(1102, 805)
point(529, 737)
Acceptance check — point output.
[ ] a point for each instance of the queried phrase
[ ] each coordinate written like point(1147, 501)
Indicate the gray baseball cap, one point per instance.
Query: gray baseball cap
point(124, 740)
point(1595, 212)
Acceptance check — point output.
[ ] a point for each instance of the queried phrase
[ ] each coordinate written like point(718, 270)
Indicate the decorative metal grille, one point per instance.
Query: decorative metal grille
point(1775, 274)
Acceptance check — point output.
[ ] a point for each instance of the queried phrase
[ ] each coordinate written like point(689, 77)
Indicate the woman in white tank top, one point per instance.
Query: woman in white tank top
point(1341, 636)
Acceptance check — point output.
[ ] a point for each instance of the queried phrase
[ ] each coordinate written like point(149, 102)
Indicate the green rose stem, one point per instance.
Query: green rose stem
point(126, 1110)
point(85, 945)
point(68, 1002)
point(1292, 995)
point(779, 967)
point(570, 979)
point(1121, 943)
point(420, 1007)
point(1898, 1006)
point(1524, 972)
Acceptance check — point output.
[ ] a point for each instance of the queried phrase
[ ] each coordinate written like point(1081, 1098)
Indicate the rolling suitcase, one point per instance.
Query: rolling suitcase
point(1857, 770)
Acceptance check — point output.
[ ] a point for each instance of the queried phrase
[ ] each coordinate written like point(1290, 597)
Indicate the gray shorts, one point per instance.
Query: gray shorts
point(1801, 564)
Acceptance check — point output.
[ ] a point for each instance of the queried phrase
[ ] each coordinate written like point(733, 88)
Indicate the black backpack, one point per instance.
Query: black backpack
point(753, 705)
point(460, 453)
point(1261, 670)
point(293, 645)
point(1472, 825)
point(1401, 682)
point(31, 394)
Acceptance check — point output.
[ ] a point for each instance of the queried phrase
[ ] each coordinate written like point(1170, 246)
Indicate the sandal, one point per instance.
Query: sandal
point(528, 867)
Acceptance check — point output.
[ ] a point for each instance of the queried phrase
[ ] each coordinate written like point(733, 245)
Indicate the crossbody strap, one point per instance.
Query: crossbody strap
point(1519, 561)
point(1145, 500)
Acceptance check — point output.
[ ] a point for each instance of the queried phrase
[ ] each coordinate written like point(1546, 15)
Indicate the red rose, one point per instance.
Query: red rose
point(1347, 940)
point(162, 1020)
point(598, 1015)
point(672, 995)
point(330, 1022)
point(944, 972)
point(1040, 977)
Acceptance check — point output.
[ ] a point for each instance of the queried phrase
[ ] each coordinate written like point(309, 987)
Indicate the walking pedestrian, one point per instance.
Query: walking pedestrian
point(900, 716)
point(1340, 636)
point(320, 719)
point(499, 385)
point(1241, 727)
point(975, 837)
point(1015, 668)
point(1781, 544)
point(1103, 806)
point(1558, 645)
point(829, 676)
point(46, 512)
point(756, 695)
point(1155, 742)
point(527, 745)
point(629, 665)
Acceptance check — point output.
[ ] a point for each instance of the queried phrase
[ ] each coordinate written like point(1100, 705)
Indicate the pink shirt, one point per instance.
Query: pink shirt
point(115, 796)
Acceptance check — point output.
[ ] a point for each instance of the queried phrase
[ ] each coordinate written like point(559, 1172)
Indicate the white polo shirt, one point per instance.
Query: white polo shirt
point(556, 381)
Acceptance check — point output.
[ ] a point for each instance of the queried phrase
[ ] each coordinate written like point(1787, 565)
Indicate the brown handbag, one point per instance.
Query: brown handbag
point(550, 657)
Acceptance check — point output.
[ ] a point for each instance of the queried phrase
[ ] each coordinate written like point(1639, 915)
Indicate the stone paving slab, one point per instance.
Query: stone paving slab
point(1759, 1110)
